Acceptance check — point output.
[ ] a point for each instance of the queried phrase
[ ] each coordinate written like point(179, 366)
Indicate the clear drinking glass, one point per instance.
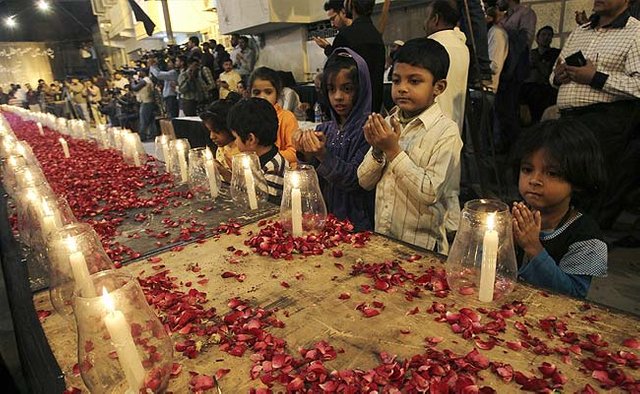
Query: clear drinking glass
point(132, 150)
point(249, 188)
point(204, 182)
point(75, 252)
point(122, 346)
point(302, 208)
point(179, 151)
point(482, 259)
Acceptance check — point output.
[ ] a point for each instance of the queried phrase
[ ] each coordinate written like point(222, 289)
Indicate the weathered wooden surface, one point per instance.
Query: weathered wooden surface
point(315, 313)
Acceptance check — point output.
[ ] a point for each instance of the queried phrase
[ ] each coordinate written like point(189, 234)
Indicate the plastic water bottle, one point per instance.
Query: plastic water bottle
point(317, 113)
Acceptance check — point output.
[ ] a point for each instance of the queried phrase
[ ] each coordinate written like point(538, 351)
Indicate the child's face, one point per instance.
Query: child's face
point(219, 138)
point(414, 89)
point(341, 91)
point(264, 89)
point(227, 66)
point(541, 185)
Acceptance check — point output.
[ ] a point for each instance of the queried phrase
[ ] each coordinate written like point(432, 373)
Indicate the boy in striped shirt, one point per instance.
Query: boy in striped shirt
point(254, 125)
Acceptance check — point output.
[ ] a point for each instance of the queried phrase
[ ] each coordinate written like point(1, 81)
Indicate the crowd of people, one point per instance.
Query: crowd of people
point(399, 173)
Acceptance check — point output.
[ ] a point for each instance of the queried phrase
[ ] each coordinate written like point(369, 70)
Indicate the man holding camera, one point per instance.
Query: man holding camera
point(142, 85)
point(598, 80)
point(194, 84)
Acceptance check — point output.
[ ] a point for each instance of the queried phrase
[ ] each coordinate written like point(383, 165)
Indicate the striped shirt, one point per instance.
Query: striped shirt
point(273, 165)
point(615, 50)
point(412, 190)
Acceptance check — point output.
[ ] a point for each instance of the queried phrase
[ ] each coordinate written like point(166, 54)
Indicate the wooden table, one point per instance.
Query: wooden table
point(312, 311)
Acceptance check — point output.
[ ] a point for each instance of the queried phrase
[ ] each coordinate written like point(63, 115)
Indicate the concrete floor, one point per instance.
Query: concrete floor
point(621, 288)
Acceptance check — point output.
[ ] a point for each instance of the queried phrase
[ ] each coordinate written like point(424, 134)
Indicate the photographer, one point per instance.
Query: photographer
point(194, 86)
point(143, 86)
point(170, 79)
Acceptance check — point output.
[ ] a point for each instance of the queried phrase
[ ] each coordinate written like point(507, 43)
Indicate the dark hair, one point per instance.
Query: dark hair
point(244, 38)
point(544, 28)
point(183, 58)
point(257, 116)
point(363, 7)
point(194, 40)
point(217, 113)
point(425, 53)
point(447, 11)
point(335, 5)
point(266, 74)
point(573, 149)
point(340, 60)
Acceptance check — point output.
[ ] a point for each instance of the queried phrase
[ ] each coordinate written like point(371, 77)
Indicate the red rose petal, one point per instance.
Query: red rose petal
point(632, 343)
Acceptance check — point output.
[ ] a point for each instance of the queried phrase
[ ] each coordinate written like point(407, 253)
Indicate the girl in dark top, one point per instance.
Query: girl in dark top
point(336, 148)
point(560, 169)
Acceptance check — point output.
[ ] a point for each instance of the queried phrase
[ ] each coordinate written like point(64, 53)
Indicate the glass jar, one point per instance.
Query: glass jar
point(204, 182)
point(482, 259)
point(179, 151)
point(122, 346)
point(132, 150)
point(302, 208)
point(75, 252)
point(249, 188)
point(163, 151)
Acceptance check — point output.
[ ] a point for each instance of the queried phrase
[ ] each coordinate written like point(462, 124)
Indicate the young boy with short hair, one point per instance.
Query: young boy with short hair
point(254, 125)
point(414, 162)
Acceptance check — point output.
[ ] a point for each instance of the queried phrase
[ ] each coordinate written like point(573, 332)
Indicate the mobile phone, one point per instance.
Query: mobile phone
point(576, 60)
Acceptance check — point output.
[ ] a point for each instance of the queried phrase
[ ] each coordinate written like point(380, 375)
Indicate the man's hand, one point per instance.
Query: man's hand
point(383, 136)
point(322, 42)
point(583, 75)
point(526, 228)
point(560, 74)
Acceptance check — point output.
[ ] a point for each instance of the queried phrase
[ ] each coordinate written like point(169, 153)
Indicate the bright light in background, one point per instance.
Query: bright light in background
point(43, 5)
point(11, 22)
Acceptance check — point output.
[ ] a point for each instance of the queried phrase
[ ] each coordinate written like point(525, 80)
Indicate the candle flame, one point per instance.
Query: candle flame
point(180, 145)
point(107, 300)
point(62, 140)
point(28, 176)
point(20, 149)
point(246, 162)
point(13, 161)
point(491, 221)
point(71, 244)
point(207, 153)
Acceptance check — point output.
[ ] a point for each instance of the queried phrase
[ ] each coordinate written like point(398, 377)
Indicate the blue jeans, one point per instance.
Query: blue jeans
point(147, 121)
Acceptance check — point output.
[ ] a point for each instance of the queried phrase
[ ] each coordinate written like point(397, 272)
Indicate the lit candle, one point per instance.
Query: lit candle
point(65, 147)
point(131, 141)
point(40, 128)
point(121, 338)
point(211, 173)
point(50, 219)
point(164, 142)
point(181, 151)
point(296, 206)
point(251, 187)
point(489, 258)
point(79, 269)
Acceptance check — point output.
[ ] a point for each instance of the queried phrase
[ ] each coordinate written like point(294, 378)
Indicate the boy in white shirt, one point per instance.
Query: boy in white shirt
point(414, 162)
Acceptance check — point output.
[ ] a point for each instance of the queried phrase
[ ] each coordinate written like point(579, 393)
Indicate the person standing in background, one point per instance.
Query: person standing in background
point(143, 87)
point(170, 78)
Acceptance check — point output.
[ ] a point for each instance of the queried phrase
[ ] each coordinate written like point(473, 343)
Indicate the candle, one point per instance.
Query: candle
point(251, 187)
point(121, 338)
point(131, 141)
point(164, 142)
point(50, 219)
point(40, 128)
point(79, 269)
point(182, 160)
point(211, 173)
point(296, 206)
point(489, 258)
point(65, 147)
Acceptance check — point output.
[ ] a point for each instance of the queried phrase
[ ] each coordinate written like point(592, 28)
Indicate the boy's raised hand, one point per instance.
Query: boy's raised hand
point(383, 136)
point(526, 228)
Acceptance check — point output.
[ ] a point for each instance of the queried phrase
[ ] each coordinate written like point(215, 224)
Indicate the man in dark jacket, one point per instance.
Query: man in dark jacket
point(363, 37)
